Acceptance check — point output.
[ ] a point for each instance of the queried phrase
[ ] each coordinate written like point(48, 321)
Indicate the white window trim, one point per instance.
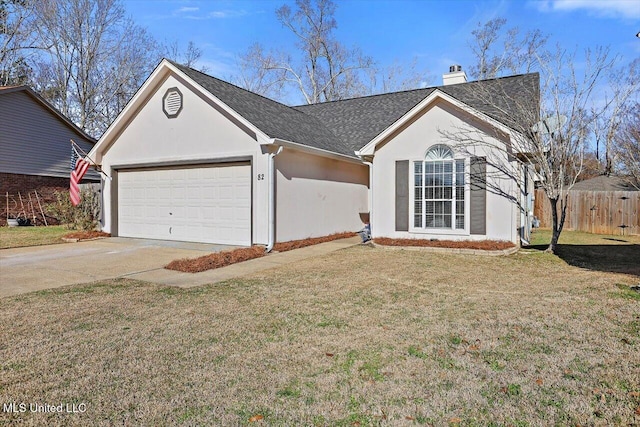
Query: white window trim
point(467, 204)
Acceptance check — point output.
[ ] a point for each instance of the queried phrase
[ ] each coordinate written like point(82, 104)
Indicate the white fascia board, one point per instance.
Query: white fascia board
point(313, 150)
point(369, 149)
point(103, 143)
point(365, 158)
point(159, 74)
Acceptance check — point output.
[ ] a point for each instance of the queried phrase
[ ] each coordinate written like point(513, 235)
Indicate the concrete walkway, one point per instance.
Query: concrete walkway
point(188, 280)
point(35, 268)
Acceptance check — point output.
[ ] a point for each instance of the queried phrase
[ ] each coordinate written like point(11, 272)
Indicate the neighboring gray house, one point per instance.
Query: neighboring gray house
point(194, 158)
point(35, 148)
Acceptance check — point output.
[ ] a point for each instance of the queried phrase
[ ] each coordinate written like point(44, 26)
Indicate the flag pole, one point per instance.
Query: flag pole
point(76, 147)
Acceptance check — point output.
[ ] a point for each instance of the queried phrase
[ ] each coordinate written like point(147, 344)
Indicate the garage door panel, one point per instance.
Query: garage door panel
point(209, 204)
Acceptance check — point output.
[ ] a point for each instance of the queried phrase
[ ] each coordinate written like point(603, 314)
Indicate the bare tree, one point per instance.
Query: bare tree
point(549, 136)
point(96, 59)
point(622, 90)
point(398, 77)
point(17, 41)
point(499, 50)
point(324, 70)
point(591, 166)
point(188, 57)
point(319, 68)
point(259, 72)
point(627, 145)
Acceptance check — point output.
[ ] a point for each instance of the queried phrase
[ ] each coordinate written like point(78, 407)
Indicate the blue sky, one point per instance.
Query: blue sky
point(435, 33)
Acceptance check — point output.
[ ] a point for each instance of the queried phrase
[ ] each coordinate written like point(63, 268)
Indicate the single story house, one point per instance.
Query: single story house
point(35, 148)
point(194, 158)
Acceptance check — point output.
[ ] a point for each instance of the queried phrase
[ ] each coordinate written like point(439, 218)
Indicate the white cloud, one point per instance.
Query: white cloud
point(187, 9)
point(216, 14)
point(227, 13)
point(629, 9)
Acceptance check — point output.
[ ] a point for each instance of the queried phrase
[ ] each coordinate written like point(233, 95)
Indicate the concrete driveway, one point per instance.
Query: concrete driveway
point(44, 267)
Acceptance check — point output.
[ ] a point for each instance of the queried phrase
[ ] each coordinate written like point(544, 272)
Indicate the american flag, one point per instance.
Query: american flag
point(74, 157)
point(79, 167)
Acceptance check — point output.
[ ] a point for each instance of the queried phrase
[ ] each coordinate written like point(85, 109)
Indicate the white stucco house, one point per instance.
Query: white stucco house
point(194, 158)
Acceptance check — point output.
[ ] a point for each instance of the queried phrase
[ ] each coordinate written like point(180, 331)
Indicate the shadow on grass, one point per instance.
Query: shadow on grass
point(614, 258)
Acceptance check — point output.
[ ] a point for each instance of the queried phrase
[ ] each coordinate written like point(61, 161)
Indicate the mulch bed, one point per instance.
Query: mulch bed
point(86, 235)
point(222, 259)
point(217, 260)
point(297, 244)
point(485, 245)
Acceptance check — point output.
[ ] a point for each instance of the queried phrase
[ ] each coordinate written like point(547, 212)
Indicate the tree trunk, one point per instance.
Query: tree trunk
point(608, 164)
point(555, 235)
point(557, 223)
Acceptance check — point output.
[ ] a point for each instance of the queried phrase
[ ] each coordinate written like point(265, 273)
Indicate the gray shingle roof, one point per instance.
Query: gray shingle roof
point(348, 125)
point(604, 183)
point(506, 99)
point(357, 121)
point(273, 118)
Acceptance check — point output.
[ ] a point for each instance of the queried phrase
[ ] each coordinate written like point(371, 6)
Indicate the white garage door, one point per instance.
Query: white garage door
point(209, 204)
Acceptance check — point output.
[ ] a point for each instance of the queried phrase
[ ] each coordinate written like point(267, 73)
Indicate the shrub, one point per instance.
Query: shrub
point(82, 217)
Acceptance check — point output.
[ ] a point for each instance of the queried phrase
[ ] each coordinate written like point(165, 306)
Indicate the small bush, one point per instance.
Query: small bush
point(82, 217)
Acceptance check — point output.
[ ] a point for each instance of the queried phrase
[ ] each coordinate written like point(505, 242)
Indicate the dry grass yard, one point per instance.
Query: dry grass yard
point(364, 336)
point(16, 237)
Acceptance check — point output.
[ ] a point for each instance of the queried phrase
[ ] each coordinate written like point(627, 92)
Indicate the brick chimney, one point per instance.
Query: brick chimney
point(454, 76)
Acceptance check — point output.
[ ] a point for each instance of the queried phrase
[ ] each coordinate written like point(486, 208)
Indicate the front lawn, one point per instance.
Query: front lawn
point(614, 253)
point(15, 237)
point(542, 237)
point(363, 336)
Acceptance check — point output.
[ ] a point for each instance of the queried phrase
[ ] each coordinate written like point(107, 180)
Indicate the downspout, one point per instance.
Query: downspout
point(368, 160)
point(272, 202)
point(370, 164)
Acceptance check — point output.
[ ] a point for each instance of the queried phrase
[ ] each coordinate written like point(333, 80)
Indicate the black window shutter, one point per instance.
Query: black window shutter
point(478, 196)
point(402, 195)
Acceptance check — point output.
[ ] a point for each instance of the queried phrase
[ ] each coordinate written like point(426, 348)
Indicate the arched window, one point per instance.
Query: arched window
point(439, 152)
point(439, 190)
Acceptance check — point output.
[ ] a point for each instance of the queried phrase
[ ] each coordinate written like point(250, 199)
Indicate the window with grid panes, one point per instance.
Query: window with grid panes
point(439, 190)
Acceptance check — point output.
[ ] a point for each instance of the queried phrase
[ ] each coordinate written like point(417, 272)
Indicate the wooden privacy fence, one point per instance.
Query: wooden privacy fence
point(600, 212)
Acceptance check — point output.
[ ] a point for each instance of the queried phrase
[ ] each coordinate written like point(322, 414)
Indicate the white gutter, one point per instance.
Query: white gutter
point(313, 150)
point(272, 203)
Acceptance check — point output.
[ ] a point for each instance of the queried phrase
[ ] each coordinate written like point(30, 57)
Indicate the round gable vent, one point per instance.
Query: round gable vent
point(172, 102)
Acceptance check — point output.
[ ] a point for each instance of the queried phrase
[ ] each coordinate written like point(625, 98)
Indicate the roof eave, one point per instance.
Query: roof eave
point(313, 150)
